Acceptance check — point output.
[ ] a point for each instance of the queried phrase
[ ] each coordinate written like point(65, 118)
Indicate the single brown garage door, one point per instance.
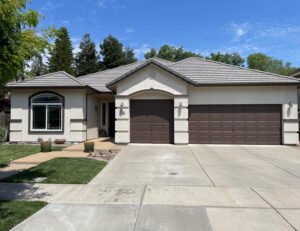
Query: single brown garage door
point(235, 124)
point(151, 121)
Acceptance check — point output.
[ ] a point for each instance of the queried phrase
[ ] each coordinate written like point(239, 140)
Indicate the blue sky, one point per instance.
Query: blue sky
point(243, 26)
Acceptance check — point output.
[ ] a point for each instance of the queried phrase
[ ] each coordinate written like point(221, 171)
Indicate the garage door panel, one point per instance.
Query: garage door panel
point(235, 124)
point(151, 121)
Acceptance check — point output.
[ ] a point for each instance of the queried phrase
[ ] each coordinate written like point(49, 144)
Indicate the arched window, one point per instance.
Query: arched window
point(46, 112)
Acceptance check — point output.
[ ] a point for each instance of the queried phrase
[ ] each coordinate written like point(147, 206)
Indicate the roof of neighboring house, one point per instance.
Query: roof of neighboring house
point(194, 70)
point(296, 74)
point(56, 79)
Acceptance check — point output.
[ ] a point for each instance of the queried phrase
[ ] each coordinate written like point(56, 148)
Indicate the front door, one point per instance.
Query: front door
point(111, 119)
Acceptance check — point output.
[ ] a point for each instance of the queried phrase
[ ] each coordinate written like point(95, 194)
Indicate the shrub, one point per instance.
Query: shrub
point(89, 146)
point(2, 134)
point(46, 146)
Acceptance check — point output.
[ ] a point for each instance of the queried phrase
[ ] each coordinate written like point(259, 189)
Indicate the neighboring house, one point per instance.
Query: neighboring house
point(296, 74)
point(156, 101)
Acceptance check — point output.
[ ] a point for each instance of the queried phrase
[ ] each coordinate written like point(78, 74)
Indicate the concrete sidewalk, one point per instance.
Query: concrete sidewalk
point(88, 207)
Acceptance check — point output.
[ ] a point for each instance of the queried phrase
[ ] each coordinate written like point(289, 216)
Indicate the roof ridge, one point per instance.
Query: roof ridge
point(165, 60)
point(146, 63)
point(237, 67)
point(73, 78)
point(81, 77)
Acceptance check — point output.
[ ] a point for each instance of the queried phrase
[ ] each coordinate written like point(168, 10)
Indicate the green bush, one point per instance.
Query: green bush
point(46, 146)
point(2, 134)
point(89, 146)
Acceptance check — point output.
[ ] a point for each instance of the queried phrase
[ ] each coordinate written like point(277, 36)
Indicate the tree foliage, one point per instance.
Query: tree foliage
point(233, 59)
point(264, 62)
point(37, 67)
point(19, 40)
point(113, 54)
point(152, 53)
point(86, 60)
point(129, 56)
point(171, 53)
point(61, 55)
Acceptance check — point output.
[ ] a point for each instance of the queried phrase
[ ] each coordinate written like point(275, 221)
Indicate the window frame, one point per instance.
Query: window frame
point(46, 130)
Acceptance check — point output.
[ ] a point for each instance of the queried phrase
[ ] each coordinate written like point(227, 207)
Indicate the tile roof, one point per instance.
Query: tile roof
point(205, 71)
point(56, 79)
point(99, 80)
point(196, 71)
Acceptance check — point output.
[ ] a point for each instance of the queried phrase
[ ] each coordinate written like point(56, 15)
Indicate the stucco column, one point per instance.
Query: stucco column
point(122, 120)
point(290, 123)
point(181, 125)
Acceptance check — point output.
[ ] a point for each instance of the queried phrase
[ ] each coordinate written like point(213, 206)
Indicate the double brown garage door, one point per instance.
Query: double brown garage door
point(151, 121)
point(235, 124)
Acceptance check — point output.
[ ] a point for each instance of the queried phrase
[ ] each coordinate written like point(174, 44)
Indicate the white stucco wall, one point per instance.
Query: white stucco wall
point(93, 116)
point(74, 127)
point(144, 86)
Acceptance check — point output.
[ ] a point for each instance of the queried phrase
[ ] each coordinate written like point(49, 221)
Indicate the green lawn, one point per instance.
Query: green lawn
point(61, 171)
point(15, 151)
point(14, 212)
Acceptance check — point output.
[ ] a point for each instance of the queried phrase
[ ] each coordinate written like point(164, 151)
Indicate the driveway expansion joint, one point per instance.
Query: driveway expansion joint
point(202, 167)
point(275, 209)
point(139, 208)
point(268, 161)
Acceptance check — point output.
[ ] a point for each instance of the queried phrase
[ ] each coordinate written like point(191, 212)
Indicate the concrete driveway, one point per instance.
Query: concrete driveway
point(196, 187)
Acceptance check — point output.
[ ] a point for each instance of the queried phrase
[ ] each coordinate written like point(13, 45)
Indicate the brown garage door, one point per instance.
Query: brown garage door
point(235, 124)
point(151, 121)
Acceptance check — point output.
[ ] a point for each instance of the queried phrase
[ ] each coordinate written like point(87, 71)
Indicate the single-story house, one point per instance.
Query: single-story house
point(193, 101)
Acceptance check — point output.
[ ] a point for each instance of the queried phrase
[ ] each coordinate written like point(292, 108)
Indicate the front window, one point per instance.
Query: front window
point(46, 112)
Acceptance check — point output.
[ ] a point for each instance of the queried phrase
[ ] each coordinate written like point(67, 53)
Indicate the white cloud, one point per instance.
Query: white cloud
point(51, 6)
point(239, 30)
point(142, 50)
point(278, 31)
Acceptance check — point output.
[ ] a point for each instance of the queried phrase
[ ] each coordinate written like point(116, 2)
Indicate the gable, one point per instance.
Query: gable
point(151, 78)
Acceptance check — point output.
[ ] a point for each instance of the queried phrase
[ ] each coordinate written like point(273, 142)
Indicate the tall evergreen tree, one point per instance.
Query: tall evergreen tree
point(86, 61)
point(38, 67)
point(61, 56)
point(152, 53)
point(112, 53)
point(129, 56)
